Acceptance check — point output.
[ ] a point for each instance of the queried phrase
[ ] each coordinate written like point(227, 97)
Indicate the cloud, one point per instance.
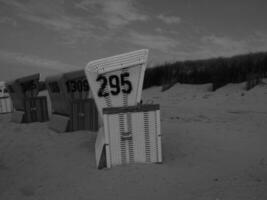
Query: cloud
point(55, 23)
point(72, 29)
point(169, 19)
point(53, 16)
point(14, 4)
point(8, 20)
point(213, 45)
point(259, 40)
point(204, 47)
point(223, 42)
point(114, 13)
point(157, 42)
point(32, 60)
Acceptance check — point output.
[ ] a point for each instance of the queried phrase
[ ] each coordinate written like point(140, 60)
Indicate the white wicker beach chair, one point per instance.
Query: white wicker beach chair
point(6, 105)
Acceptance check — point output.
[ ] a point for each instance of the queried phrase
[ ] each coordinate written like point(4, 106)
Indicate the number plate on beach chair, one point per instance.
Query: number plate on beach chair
point(118, 80)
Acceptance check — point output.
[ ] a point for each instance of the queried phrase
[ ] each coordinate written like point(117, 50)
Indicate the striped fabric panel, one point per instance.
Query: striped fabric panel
point(130, 141)
point(147, 138)
point(122, 140)
point(129, 124)
point(2, 105)
point(107, 98)
point(156, 135)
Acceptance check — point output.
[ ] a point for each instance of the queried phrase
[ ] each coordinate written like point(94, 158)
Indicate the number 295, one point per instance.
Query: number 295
point(116, 83)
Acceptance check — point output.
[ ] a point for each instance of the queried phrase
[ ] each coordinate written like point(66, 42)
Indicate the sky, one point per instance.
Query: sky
point(51, 36)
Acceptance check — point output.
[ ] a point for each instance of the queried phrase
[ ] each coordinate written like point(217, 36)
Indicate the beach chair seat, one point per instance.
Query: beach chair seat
point(130, 135)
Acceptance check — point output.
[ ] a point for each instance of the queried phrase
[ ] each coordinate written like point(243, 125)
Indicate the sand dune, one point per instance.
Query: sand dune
point(214, 147)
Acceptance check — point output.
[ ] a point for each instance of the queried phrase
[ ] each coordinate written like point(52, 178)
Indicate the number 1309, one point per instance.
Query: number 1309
point(116, 83)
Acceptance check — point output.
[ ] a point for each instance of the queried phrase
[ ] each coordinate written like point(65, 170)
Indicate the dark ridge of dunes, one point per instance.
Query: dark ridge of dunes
point(218, 71)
